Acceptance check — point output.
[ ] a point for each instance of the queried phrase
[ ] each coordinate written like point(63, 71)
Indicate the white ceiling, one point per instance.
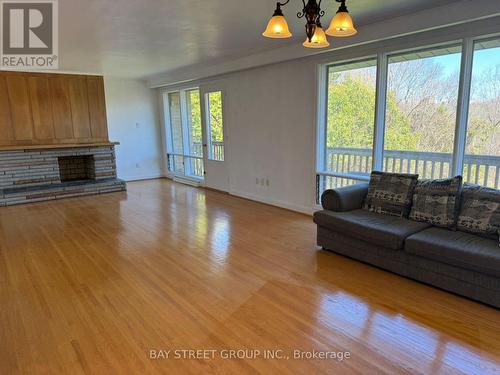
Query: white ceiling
point(138, 38)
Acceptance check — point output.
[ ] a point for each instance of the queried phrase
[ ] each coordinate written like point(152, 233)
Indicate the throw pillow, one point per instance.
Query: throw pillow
point(436, 201)
point(390, 193)
point(480, 211)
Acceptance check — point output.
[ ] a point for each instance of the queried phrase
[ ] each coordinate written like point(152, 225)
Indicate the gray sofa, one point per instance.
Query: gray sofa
point(455, 261)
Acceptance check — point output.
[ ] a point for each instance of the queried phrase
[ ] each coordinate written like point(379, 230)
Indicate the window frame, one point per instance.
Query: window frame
point(208, 125)
point(382, 56)
point(186, 147)
point(322, 126)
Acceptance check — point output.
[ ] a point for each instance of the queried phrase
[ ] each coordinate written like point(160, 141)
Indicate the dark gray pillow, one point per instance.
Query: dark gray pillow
point(390, 193)
point(437, 201)
point(480, 211)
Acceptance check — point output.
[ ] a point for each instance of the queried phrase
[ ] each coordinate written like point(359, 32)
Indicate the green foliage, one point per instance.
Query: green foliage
point(351, 113)
point(194, 106)
point(215, 101)
point(195, 115)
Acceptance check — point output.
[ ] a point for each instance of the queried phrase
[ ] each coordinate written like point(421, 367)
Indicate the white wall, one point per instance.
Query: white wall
point(270, 118)
point(133, 120)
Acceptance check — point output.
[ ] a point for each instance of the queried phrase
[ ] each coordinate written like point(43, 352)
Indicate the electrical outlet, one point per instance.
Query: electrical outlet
point(137, 165)
point(267, 182)
point(137, 125)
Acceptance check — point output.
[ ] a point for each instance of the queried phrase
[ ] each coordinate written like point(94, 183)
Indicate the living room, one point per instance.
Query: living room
point(211, 186)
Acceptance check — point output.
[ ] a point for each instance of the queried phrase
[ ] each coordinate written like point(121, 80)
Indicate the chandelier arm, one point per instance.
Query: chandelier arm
point(283, 4)
point(303, 12)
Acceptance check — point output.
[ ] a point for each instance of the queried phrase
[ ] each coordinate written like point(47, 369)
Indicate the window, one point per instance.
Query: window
point(412, 124)
point(482, 151)
point(194, 138)
point(215, 126)
point(183, 125)
point(348, 132)
point(421, 111)
point(176, 161)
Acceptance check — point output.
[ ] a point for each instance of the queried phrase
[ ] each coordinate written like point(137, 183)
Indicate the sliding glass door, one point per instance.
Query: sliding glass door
point(184, 133)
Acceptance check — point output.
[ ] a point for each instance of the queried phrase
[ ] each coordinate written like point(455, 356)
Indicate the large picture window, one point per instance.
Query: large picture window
point(421, 110)
point(348, 133)
point(399, 112)
point(482, 152)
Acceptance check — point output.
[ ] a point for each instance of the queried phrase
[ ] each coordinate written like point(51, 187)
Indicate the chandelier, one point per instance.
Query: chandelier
point(341, 25)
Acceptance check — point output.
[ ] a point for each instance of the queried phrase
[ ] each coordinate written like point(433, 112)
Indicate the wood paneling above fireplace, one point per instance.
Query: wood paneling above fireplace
point(51, 109)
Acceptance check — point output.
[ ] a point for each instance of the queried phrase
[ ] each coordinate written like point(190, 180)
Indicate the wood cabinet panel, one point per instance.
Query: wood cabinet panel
point(51, 109)
point(97, 107)
point(22, 121)
point(41, 107)
point(61, 108)
point(6, 133)
point(78, 97)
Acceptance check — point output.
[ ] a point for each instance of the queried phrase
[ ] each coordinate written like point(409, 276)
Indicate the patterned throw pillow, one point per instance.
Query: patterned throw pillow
point(480, 211)
point(390, 193)
point(437, 201)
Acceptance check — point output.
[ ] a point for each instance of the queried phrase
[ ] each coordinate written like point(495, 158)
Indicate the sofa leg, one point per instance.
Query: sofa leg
point(323, 248)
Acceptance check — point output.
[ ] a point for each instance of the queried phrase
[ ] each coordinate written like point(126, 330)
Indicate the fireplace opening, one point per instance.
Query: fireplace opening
point(76, 168)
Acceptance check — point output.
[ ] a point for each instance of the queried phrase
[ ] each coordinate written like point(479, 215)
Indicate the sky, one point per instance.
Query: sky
point(483, 59)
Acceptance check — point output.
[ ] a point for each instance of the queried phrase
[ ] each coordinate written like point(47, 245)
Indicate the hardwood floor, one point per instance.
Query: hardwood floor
point(92, 285)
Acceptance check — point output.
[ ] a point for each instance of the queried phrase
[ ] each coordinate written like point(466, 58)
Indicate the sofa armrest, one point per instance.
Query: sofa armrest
point(346, 198)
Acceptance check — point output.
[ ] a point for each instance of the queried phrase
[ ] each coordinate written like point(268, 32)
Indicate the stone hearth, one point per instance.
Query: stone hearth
point(32, 175)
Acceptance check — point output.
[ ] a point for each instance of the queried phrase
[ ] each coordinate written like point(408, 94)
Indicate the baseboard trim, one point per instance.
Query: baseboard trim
point(187, 181)
point(241, 194)
point(273, 202)
point(140, 178)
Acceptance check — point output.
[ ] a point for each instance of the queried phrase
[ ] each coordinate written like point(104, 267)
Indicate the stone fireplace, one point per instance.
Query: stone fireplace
point(38, 174)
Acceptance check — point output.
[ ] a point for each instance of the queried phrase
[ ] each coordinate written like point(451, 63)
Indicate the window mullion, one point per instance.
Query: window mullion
point(185, 132)
point(380, 107)
point(463, 106)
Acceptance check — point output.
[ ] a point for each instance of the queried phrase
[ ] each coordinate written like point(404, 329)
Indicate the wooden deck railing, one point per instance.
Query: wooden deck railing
point(195, 158)
point(478, 169)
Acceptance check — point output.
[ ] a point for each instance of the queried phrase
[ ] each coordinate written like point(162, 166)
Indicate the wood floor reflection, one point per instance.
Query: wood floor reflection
point(91, 285)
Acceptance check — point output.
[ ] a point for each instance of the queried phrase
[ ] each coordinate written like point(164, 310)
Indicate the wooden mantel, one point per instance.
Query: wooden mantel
point(57, 146)
point(51, 109)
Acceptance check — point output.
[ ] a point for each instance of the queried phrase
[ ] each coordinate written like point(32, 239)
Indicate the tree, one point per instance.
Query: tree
point(351, 113)
point(215, 115)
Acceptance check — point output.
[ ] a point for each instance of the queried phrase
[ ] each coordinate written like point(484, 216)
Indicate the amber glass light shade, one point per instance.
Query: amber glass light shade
point(277, 28)
point(341, 25)
point(318, 40)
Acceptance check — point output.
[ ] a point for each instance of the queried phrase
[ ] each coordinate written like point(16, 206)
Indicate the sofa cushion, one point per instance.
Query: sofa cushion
point(390, 193)
point(436, 201)
point(457, 248)
point(480, 211)
point(383, 230)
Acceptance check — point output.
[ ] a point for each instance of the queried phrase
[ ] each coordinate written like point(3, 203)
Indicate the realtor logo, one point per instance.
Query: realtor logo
point(29, 34)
